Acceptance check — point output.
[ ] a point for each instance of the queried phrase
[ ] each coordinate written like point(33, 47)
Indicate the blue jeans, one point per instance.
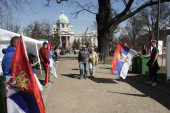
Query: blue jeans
point(85, 63)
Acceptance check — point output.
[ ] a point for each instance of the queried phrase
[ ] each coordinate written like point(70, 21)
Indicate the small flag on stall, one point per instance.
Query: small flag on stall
point(52, 63)
point(122, 59)
point(22, 90)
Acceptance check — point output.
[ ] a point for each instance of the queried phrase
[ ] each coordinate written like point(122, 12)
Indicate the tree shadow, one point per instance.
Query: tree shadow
point(140, 95)
point(102, 72)
point(76, 76)
point(103, 80)
point(138, 82)
point(75, 69)
point(105, 67)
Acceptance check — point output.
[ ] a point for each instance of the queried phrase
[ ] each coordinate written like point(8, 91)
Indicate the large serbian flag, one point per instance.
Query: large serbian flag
point(122, 59)
point(22, 90)
point(52, 64)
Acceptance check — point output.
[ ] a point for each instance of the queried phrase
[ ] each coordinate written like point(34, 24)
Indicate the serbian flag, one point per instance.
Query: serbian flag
point(64, 43)
point(52, 64)
point(122, 59)
point(22, 90)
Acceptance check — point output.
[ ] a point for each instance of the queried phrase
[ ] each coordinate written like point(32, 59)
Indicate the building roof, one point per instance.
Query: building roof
point(62, 18)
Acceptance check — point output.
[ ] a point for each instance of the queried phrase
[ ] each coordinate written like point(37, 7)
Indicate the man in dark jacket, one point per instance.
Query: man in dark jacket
point(153, 65)
point(7, 59)
point(83, 60)
point(43, 53)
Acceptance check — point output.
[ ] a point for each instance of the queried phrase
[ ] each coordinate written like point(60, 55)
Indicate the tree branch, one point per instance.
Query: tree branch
point(86, 7)
point(150, 3)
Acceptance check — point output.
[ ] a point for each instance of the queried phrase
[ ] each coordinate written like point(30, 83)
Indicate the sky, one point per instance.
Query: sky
point(39, 11)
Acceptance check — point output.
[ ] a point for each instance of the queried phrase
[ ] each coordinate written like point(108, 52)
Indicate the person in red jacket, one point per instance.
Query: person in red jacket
point(43, 53)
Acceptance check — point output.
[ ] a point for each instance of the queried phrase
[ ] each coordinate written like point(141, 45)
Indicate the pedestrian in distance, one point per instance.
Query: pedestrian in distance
point(43, 53)
point(93, 61)
point(83, 58)
point(153, 65)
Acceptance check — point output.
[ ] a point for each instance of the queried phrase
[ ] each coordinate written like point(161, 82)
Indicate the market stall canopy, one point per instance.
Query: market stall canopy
point(32, 45)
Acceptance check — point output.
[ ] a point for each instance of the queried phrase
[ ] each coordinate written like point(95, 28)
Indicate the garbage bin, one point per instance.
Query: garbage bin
point(141, 65)
point(134, 64)
point(144, 67)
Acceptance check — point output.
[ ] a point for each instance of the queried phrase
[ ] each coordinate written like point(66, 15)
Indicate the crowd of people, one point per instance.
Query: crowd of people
point(87, 58)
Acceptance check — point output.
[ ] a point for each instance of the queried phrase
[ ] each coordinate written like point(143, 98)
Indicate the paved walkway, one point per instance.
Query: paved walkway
point(105, 93)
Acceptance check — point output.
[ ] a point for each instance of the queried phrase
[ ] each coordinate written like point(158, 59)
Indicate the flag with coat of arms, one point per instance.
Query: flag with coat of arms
point(122, 60)
point(22, 89)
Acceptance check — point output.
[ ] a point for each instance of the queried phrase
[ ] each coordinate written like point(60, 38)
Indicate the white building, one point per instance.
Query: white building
point(65, 30)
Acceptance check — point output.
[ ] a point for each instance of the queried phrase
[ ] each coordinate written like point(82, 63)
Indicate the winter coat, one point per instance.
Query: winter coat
point(43, 53)
point(7, 59)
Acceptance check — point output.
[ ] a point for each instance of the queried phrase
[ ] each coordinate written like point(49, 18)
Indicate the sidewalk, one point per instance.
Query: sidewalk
point(106, 93)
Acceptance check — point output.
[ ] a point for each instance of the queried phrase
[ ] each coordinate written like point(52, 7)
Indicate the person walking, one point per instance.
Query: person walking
point(93, 61)
point(43, 53)
point(83, 58)
point(153, 65)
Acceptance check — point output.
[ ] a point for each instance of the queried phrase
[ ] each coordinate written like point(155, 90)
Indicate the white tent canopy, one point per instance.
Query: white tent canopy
point(32, 45)
point(167, 57)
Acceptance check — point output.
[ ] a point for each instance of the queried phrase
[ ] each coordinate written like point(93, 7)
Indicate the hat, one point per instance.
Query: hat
point(45, 43)
point(153, 41)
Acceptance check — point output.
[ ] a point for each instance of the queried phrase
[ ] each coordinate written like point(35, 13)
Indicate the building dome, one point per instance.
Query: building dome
point(62, 18)
point(93, 32)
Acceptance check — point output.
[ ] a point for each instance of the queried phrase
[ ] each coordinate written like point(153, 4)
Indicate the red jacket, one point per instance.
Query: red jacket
point(43, 53)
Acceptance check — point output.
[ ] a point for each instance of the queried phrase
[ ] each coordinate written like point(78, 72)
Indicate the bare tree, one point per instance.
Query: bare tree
point(134, 27)
point(39, 30)
point(150, 20)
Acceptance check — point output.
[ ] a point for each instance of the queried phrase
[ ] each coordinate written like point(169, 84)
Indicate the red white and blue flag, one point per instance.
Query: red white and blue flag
point(52, 64)
point(22, 90)
point(64, 43)
point(122, 60)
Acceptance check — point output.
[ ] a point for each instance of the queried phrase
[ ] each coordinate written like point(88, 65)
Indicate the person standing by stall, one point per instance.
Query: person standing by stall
point(43, 53)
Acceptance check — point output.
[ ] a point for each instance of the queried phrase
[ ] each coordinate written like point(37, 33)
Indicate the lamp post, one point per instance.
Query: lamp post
point(158, 20)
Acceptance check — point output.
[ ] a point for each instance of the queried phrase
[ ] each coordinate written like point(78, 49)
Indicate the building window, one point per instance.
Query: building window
point(62, 25)
point(58, 25)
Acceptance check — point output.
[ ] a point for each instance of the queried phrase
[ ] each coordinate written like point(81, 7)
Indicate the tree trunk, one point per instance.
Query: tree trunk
point(103, 18)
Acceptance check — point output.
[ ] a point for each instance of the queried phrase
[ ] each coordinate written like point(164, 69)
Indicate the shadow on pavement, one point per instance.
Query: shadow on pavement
point(155, 93)
point(105, 68)
point(140, 95)
point(75, 69)
point(76, 76)
point(103, 80)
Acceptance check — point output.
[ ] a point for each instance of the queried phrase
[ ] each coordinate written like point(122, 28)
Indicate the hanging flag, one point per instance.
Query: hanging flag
point(122, 59)
point(22, 90)
point(64, 43)
point(52, 64)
